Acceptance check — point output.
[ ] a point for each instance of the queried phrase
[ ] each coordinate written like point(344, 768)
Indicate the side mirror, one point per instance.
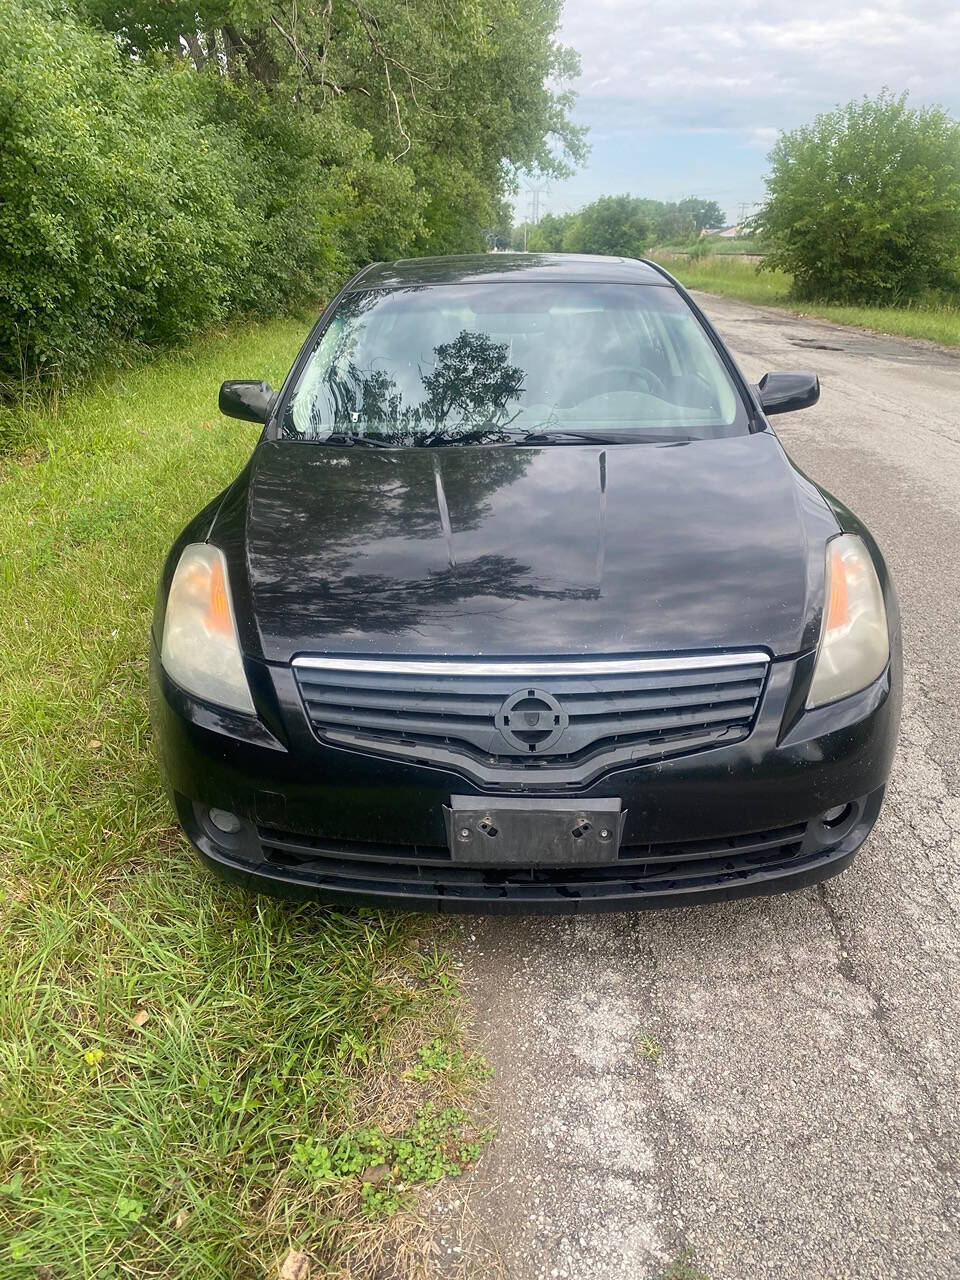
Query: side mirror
point(247, 399)
point(784, 392)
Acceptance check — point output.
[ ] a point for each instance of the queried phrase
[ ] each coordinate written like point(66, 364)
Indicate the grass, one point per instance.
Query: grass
point(176, 1056)
point(737, 245)
point(935, 321)
point(684, 1268)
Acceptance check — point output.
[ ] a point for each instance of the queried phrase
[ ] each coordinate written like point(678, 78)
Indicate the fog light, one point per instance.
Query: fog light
point(225, 821)
point(834, 817)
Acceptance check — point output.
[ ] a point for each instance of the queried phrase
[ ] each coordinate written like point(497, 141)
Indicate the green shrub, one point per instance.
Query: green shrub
point(114, 225)
point(141, 201)
point(146, 194)
point(864, 204)
point(700, 249)
point(314, 198)
point(613, 225)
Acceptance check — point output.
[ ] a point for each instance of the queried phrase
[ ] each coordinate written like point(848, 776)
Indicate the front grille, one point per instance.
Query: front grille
point(427, 872)
point(537, 715)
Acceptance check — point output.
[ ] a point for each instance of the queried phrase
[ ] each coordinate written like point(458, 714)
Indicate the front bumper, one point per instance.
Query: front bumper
point(344, 825)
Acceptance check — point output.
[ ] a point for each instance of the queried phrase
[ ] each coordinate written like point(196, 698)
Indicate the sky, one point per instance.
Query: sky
point(687, 98)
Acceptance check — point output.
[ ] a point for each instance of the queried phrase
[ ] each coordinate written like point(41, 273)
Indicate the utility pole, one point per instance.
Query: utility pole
point(534, 208)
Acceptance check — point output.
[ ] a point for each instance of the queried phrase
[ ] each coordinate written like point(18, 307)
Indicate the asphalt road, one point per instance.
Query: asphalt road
point(803, 1116)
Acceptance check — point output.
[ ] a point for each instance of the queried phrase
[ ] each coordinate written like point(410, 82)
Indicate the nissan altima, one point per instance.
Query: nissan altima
point(519, 604)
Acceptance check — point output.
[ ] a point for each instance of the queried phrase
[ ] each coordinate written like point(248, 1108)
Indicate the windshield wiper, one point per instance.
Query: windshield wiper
point(346, 437)
point(491, 435)
point(480, 434)
point(599, 437)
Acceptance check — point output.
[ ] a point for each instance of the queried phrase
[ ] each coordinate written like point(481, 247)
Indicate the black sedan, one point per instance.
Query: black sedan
point(519, 604)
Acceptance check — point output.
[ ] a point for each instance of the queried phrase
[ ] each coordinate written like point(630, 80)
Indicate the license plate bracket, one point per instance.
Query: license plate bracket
point(526, 831)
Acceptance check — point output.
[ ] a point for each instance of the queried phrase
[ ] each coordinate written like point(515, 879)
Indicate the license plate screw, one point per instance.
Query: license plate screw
point(464, 833)
point(604, 833)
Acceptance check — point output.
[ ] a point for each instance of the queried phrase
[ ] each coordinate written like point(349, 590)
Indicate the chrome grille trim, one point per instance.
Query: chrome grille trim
point(529, 669)
point(460, 714)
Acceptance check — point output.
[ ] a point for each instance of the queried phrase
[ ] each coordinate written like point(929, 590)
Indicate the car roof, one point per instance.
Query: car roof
point(495, 267)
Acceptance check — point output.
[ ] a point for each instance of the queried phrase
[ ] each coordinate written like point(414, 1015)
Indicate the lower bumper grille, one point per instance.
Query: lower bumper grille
point(425, 877)
point(426, 871)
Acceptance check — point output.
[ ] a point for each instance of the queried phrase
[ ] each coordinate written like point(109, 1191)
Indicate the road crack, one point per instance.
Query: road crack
point(942, 1152)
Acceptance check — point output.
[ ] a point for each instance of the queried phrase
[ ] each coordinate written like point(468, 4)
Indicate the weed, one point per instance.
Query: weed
point(438, 1143)
point(647, 1047)
point(683, 1268)
point(432, 1058)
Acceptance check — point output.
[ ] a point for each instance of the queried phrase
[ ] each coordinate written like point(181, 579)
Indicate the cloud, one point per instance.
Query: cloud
point(762, 139)
point(754, 68)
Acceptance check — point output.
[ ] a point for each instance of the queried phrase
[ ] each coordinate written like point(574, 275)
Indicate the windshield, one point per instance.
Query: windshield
point(500, 362)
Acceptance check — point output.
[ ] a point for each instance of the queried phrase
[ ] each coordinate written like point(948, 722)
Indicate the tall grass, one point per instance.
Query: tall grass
point(168, 1044)
point(934, 319)
point(736, 246)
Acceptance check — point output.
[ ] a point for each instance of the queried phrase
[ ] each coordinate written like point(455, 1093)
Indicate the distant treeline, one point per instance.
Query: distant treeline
point(862, 207)
point(164, 166)
point(622, 225)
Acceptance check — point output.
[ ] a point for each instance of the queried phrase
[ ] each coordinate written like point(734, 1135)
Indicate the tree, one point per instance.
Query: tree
point(547, 235)
point(164, 166)
point(472, 383)
point(462, 94)
point(864, 204)
point(611, 225)
point(706, 214)
point(671, 224)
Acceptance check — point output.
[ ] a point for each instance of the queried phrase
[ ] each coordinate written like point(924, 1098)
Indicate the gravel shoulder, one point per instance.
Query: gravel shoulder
point(802, 1116)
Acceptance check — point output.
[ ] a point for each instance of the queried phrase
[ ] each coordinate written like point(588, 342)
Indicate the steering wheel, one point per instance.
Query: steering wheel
point(605, 379)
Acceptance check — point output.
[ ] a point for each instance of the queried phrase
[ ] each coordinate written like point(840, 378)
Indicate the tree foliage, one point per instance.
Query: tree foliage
point(706, 215)
point(612, 224)
point(166, 165)
point(456, 92)
point(623, 225)
point(864, 204)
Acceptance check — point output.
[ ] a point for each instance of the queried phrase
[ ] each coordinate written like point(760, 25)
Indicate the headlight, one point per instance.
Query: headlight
point(200, 649)
point(854, 644)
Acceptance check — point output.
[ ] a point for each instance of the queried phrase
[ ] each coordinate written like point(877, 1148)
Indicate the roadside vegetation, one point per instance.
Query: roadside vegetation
point(194, 1082)
point(735, 246)
point(863, 205)
point(166, 166)
point(861, 225)
point(936, 319)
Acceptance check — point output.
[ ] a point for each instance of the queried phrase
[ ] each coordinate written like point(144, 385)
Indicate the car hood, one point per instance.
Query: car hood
point(640, 548)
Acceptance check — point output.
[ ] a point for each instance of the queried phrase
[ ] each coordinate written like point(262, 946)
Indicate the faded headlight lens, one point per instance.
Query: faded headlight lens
point(200, 649)
point(854, 644)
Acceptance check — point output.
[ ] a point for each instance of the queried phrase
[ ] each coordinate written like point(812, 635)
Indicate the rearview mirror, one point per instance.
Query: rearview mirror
point(784, 392)
point(247, 399)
